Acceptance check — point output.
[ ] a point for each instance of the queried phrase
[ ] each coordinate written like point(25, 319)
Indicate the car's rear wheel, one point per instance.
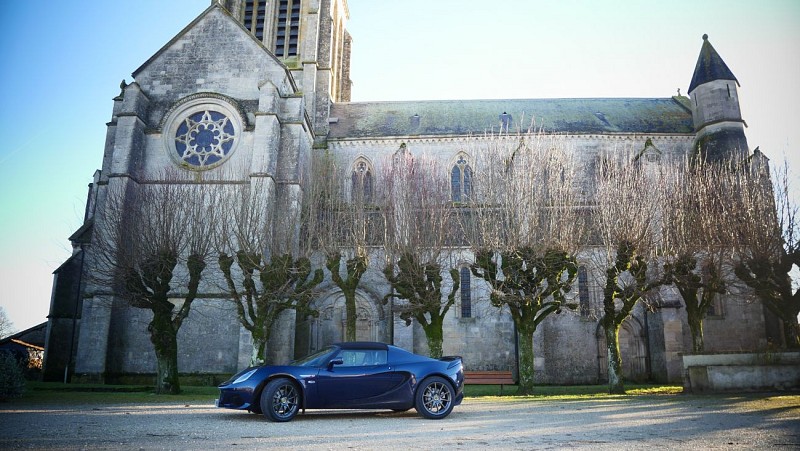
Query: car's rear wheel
point(280, 400)
point(434, 398)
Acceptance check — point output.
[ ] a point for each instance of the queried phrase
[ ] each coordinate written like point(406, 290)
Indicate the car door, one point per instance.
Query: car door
point(358, 379)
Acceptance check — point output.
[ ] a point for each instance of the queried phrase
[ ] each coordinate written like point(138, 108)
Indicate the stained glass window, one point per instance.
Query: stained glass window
point(461, 180)
point(583, 290)
point(362, 182)
point(466, 293)
point(204, 138)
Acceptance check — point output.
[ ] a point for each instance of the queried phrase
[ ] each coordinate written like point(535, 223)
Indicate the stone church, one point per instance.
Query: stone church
point(272, 78)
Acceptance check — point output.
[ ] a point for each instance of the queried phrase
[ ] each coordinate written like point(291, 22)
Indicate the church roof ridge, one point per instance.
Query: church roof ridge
point(709, 67)
point(439, 117)
point(529, 99)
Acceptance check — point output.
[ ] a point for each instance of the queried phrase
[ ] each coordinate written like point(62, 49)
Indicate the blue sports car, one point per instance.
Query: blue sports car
point(358, 375)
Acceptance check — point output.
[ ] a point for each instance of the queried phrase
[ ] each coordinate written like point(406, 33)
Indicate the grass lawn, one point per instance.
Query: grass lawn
point(59, 393)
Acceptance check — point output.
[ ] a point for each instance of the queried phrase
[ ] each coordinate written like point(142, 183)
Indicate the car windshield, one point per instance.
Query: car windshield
point(315, 359)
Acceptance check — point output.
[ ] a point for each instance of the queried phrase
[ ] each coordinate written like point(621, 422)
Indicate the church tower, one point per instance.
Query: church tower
point(310, 38)
point(717, 118)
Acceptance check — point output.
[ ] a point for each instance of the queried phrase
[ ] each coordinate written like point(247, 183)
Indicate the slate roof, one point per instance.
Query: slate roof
point(32, 336)
point(710, 67)
point(474, 117)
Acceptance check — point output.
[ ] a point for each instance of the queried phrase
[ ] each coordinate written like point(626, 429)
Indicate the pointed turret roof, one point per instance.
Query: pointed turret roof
point(710, 67)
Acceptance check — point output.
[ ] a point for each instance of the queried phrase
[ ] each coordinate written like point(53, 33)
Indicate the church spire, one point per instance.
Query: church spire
point(710, 67)
point(716, 115)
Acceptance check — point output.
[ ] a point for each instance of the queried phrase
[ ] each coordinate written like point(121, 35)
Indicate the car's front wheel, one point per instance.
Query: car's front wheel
point(434, 398)
point(280, 400)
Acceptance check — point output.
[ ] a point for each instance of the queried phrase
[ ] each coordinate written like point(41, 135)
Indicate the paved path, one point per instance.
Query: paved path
point(671, 422)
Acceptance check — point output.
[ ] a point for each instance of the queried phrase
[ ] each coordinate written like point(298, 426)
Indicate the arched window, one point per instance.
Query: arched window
point(362, 183)
point(466, 292)
point(461, 180)
point(583, 290)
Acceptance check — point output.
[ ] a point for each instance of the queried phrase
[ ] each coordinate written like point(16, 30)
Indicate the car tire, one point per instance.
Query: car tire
point(434, 398)
point(280, 400)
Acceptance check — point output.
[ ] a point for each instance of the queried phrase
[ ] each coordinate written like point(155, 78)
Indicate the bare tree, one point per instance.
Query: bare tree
point(768, 239)
point(6, 326)
point(528, 231)
point(344, 222)
point(417, 212)
point(152, 247)
point(628, 202)
point(697, 236)
point(264, 272)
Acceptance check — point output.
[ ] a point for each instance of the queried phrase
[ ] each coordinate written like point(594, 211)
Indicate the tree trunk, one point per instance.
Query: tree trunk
point(696, 328)
point(433, 334)
point(350, 313)
point(261, 334)
point(165, 343)
point(259, 354)
point(525, 362)
point(615, 384)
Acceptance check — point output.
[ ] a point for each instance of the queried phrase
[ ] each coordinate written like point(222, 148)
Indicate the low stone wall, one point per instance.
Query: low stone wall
point(741, 372)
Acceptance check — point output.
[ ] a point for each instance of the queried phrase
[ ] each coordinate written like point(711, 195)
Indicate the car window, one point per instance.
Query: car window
point(316, 359)
point(361, 357)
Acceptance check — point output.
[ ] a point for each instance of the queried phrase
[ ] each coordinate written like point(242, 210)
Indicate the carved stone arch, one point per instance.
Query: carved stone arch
point(329, 325)
point(362, 179)
point(632, 347)
point(401, 152)
point(207, 97)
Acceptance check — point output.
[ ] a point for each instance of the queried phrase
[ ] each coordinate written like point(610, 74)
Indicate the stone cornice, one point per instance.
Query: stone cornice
point(397, 140)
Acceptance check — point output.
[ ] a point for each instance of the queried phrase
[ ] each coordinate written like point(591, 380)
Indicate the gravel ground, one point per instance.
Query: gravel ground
point(625, 423)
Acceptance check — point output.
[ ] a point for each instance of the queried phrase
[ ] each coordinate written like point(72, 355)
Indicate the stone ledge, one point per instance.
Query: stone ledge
point(736, 372)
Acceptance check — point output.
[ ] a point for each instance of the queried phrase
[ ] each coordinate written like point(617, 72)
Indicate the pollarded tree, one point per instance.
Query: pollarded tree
point(698, 240)
point(265, 273)
point(343, 222)
point(628, 198)
point(768, 240)
point(417, 212)
point(527, 231)
point(152, 255)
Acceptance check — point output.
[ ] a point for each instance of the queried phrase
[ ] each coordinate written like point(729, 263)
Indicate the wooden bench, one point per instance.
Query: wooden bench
point(500, 378)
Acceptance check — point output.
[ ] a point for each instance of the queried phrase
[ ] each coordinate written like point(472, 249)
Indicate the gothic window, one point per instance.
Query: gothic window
point(583, 290)
point(461, 180)
point(362, 182)
point(715, 308)
point(287, 28)
point(466, 292)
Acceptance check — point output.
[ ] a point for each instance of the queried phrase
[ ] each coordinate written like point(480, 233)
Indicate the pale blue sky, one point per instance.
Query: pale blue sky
point(62, 63)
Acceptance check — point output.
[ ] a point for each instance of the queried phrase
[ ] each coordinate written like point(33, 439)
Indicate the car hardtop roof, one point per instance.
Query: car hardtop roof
point(362, 345)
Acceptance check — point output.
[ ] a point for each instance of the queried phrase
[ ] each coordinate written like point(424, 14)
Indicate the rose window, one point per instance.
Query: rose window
point(204, 138)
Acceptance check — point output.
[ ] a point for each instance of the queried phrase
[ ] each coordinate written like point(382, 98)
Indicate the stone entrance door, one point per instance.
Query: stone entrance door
point(330, 326)
point(633, 349)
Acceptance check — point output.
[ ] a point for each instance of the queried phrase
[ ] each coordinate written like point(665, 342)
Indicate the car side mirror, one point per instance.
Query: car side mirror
point(334, 362)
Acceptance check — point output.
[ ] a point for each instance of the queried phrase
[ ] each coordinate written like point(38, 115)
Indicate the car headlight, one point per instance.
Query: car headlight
point(245, 376)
